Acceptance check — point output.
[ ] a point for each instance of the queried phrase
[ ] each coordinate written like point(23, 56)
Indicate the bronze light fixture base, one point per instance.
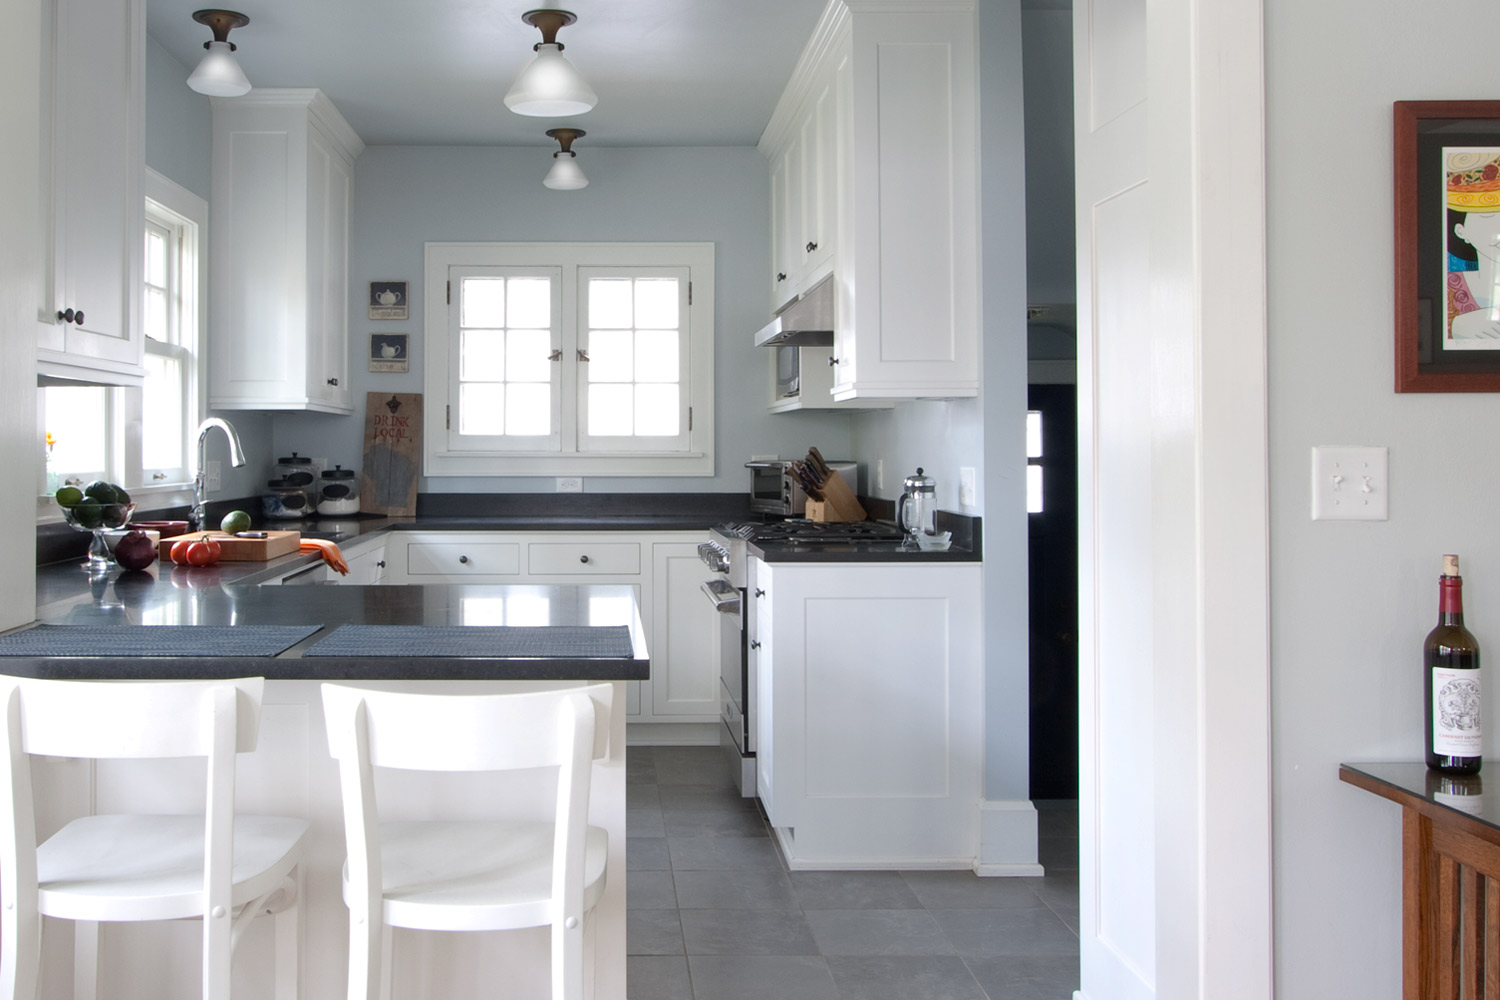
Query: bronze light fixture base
point(565, 137)
point(548, 22)
point(221, 21)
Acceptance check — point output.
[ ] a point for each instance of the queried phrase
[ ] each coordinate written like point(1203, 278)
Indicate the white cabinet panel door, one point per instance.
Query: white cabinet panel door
point(684, 634)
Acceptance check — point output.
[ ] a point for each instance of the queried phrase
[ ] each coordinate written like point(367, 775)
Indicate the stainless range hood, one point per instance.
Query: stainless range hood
point(807, 322)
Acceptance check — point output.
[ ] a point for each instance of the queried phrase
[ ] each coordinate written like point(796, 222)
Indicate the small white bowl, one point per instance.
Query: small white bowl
point(936, 542)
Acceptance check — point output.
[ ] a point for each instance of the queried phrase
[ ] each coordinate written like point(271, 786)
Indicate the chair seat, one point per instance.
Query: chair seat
point(111, 868)
point(459, 876)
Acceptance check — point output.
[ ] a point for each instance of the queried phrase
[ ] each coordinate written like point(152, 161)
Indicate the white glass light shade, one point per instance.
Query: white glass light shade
point(549, 87)
point(565, 174)
point(218, 74)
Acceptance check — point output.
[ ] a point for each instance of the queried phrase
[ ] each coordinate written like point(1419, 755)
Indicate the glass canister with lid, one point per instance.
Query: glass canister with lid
point(286, 500)
point(297, 470)
point(338, 492)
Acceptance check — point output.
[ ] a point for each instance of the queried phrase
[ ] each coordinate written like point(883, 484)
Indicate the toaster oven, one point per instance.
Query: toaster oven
point(775, 490)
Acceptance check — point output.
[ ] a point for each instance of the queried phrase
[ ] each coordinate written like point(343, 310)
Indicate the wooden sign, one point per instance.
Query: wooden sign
point(393, 453)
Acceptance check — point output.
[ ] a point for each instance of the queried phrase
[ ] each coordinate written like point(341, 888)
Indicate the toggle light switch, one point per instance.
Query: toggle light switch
point(1350, 484)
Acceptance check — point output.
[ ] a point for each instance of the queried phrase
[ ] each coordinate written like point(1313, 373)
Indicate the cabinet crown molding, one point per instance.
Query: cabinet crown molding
point(319, 108)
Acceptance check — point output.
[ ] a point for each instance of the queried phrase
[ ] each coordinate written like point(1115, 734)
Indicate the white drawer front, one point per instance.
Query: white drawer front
point(463, 558)
point(597, 559)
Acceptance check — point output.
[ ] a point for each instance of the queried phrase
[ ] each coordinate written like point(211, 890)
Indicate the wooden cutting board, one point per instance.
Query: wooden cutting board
point(232, 549)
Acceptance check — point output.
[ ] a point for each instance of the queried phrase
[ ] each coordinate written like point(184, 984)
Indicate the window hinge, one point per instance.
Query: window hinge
point(690, 418)
point(449, 293)
point(448, 418)
point(690, 293)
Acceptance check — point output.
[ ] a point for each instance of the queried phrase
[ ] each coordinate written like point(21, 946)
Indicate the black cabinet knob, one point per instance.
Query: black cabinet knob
point(780, 276)
point(811, 246)
point(333, 381)
point(832, 361)
point(381, 564)
point(65, 315)
point(759, 592)
point(754, 643)
point(583, 559)
point(78, 317)
point(463, 559)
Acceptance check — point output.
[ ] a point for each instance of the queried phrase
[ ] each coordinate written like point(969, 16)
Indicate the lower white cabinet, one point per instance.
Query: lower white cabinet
point(871, 726)
point(662, 566)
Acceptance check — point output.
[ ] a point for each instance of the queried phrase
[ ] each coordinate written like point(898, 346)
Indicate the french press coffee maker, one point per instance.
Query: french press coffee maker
point(918, 503)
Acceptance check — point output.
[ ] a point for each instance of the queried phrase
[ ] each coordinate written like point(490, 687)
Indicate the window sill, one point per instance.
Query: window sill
point(145, 498)
point(674, 463)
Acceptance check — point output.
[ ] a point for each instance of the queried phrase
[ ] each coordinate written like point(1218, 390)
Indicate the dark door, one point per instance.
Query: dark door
point(1054, 597)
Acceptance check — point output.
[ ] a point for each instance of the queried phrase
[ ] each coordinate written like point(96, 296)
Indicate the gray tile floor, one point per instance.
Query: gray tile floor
point(714, 914)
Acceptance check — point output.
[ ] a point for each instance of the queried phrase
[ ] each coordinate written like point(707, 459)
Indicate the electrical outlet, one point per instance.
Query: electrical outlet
point(879, 474)
point(1350, 484)
point(569, 484)
point(967, 492)
point(212, 480)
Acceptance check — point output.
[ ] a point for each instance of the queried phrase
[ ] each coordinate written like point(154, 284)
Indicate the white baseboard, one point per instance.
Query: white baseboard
point(1007, 839)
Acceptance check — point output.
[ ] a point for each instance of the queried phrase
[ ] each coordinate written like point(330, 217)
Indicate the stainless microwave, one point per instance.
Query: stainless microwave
point(775, 490)
point(788, 372)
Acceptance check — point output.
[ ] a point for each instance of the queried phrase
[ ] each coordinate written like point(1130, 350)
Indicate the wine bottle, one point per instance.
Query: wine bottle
point(1450, 660)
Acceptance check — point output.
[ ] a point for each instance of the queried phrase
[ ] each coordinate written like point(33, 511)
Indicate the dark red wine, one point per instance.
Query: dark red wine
point(1450, 660)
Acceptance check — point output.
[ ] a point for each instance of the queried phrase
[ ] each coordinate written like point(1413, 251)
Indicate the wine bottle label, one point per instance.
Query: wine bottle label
point(1455, 713)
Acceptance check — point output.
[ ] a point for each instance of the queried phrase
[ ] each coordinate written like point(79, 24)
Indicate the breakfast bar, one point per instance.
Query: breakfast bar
point(291, 773)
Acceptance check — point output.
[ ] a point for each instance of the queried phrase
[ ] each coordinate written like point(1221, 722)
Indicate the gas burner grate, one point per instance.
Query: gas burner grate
point(814, 531)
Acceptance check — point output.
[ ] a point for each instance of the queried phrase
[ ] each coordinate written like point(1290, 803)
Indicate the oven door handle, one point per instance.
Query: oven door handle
point(726, 596)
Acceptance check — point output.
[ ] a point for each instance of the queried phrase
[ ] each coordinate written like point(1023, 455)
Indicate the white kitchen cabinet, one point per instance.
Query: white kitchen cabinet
point(93, 120)
point(803, 178)
point(886, 98)
point(871, 717)
point(366, 561)
point(283, 168)
point(664, 569)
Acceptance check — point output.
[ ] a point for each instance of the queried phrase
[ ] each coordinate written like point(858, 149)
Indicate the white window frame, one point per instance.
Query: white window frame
point(188, 214)
point(441, 456)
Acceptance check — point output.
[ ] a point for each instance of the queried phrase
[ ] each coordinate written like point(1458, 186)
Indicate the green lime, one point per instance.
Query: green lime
point(69, 495)
point(100, 490)
point(121, 497)
point(235, 521)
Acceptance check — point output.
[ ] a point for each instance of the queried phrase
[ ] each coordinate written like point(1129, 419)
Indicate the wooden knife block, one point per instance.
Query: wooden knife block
point(838, 503)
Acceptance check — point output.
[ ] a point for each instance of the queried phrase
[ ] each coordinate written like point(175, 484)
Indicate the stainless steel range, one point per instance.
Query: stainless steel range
point(726, 554)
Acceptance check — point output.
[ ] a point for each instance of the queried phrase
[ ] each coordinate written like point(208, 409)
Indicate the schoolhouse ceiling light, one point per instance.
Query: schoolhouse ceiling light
point(565, 174)
point(548, 86)
point(218, 74)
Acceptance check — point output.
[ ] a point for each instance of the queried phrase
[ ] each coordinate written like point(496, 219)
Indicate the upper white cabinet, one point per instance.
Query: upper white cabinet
point(93, 120)
point(283, 169)
point(874, 179)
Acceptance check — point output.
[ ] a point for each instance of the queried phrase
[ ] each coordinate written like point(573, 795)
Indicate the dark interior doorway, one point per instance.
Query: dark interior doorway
point(1054, 596)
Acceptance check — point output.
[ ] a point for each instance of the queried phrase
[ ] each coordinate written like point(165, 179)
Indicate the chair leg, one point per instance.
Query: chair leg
point(567, 962)
point(365, 958)
point(387, 953)
point(85, 960)
point(20, 953)
point(288, 926)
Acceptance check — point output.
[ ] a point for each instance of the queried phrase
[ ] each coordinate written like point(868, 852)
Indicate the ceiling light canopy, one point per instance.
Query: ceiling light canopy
point(218, 74)
point(548, 86)
point(565, 174)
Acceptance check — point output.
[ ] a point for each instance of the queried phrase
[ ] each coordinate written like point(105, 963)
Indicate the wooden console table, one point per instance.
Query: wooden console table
point(1450, 877)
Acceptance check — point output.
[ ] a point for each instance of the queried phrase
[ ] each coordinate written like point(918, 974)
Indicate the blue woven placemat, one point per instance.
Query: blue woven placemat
point(569, 641)
point(154, 640)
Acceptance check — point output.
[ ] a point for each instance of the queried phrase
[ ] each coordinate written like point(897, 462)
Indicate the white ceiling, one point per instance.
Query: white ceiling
point(434, 72)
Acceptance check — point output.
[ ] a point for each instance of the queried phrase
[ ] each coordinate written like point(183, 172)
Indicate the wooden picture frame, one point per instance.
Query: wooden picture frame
point(1447, 187)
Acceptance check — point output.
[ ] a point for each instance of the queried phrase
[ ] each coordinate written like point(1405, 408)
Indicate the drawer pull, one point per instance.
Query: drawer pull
point(754, 643)
point(463, 559)
point(583, 559)
point(380, 565)
point(780, 275)
point(333, 381)
point(759, 592)
point(811, 247)
point(832, 361)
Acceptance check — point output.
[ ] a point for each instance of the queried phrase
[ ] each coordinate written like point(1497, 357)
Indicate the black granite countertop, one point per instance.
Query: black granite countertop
point(205, 598)
point(856, 552)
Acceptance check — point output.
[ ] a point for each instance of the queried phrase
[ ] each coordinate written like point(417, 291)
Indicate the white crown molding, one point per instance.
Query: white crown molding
point(830, 30)
point(319, 108)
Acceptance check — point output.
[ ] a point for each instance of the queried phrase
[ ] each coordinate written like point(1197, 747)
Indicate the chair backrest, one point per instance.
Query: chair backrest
point(443, 732)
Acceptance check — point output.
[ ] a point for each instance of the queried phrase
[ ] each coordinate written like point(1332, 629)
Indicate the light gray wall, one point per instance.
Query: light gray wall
point(1048, 72)
point(1351, 601)
point(404, 196)
point(179, 145)
point(179, 123)
point(986, 433)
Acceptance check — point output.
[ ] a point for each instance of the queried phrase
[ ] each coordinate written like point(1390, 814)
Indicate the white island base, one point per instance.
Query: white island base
point(291, 774)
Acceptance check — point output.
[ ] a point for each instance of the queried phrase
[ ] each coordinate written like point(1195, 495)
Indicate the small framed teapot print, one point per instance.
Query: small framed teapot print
point(388, 300)
point(388, 352)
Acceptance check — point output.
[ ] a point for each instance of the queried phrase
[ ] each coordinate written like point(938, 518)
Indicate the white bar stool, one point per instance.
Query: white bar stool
point(218, 867)
point(469, 875)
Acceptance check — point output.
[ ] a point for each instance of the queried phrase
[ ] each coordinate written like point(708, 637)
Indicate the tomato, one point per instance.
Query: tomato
point(179, 551)
point(203, 552)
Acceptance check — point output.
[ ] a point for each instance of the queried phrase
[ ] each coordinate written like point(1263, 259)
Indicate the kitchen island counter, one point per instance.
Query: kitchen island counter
point(129, 600)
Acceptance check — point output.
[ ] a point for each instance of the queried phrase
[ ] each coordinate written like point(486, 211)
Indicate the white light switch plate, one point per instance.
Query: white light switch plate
point(967, 492)
point(1350, 484)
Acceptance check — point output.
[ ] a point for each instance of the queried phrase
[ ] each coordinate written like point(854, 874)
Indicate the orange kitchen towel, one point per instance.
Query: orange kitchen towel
point(330, 552)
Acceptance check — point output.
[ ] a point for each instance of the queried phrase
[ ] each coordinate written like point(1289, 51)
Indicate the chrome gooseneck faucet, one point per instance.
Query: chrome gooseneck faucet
point(236, 459)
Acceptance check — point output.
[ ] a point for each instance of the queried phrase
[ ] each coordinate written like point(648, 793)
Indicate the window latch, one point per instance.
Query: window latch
point(582, 354)
point(555, 355)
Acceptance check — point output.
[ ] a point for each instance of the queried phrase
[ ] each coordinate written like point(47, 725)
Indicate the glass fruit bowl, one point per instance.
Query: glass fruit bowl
point(98, 518)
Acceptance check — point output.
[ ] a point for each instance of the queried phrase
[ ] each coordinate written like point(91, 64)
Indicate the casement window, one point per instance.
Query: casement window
point(139, 437)
point(569, 359)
